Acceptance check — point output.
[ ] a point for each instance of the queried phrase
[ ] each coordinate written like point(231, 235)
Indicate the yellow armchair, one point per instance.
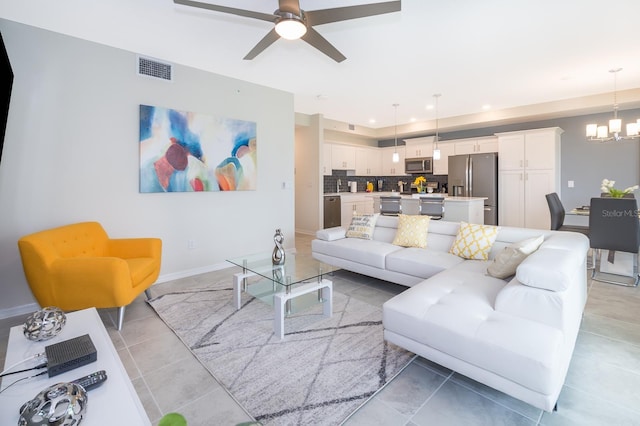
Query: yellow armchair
point(78, 266)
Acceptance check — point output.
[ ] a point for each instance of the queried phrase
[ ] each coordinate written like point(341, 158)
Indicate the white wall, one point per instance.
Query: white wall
point(71, 154)
point(309, 182)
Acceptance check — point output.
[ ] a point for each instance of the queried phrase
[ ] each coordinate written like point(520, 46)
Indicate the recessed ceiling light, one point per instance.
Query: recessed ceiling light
point(486, 107)
point(413, 119)
point(429, 106)
point(372, 120)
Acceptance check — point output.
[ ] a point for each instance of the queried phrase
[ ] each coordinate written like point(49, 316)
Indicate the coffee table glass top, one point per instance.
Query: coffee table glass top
point(298, 267)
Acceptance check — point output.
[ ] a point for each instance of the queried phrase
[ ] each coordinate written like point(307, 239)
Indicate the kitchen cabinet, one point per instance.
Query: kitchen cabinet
point(528, 169)
point(441, 166)
point(476, 146)
point(368, 161)
point(419, 147)
point(343, 157)
point(389, 168)
point(326, 159)
point(354, 204)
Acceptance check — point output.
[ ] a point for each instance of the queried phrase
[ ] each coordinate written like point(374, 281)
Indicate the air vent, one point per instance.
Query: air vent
point(153, 68)
point(352, 127)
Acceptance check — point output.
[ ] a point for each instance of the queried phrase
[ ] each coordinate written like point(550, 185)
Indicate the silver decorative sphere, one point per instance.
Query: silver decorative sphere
point(44, 324)
point(62, 404)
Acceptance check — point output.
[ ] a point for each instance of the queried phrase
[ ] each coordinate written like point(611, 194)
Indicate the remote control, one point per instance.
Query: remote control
point(92, 381)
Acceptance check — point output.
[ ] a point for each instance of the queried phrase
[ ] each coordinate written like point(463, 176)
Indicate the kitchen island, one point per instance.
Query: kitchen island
point(456, 209)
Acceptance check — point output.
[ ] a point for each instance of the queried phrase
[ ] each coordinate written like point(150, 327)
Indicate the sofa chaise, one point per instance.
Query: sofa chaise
point(515, 334)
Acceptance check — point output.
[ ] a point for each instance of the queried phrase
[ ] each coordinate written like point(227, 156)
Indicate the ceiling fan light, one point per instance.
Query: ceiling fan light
point(291, 28)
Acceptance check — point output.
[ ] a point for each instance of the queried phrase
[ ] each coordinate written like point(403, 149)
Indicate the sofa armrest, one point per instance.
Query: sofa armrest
point(97, 281)
point(127, 248)
point(331, 234)
point(549, 269)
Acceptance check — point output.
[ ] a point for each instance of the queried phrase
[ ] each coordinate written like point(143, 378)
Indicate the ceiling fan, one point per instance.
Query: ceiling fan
point(292, 23)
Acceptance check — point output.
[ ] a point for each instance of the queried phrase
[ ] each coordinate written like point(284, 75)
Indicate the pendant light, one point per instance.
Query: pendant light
point(396, 156)
point(436, 150)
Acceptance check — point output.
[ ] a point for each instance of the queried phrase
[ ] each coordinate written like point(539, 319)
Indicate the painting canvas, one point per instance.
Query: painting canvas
point(184, 151)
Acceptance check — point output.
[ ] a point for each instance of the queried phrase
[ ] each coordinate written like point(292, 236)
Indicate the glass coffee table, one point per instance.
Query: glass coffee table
point(289, 288)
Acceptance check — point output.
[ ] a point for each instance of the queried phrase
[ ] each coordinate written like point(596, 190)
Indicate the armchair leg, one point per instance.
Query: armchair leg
point(120, 317)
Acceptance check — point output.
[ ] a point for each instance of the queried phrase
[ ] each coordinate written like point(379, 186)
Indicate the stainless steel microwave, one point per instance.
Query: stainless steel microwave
point(418, 165)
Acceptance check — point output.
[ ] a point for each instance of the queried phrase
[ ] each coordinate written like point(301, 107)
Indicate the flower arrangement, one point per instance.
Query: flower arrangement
point(420, 182)
point(607, 188)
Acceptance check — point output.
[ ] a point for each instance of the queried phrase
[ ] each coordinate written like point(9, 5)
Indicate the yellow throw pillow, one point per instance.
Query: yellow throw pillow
point(362, 226)
point(412, 231)
point(474, 241)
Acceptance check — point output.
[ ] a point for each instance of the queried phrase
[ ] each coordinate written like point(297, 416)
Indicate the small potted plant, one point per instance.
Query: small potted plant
point(421, 183)
point(607, 188)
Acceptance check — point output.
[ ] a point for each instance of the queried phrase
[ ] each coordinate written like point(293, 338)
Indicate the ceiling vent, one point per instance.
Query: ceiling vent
point(154, 68)
point(352, 127)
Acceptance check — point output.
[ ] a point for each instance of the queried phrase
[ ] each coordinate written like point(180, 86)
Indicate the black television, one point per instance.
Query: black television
point(5, 91)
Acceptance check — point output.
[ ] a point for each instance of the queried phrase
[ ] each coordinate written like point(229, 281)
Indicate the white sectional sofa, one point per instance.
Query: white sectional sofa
point(516, 335)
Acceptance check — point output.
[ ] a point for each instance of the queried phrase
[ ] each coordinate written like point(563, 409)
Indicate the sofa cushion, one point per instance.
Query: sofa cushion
point(362, 226)
point(453, 312)
point(474, 241)
point(367, 252)
point(412, 231)
point(422, 263)
point(548, 268)
point(505, 263)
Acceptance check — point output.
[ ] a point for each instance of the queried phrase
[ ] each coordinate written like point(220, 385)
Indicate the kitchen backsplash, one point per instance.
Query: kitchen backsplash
point(390, 183)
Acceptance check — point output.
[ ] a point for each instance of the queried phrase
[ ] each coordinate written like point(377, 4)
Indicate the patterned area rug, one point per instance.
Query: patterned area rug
point(322, 371)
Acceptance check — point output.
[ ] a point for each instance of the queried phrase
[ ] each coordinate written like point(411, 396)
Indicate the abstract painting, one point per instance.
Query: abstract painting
point(188, 151)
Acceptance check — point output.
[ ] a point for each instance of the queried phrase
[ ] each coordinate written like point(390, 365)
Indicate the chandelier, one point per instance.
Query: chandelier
point(596, 132)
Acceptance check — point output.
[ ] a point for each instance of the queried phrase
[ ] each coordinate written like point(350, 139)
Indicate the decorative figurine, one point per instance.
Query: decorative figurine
point(44, 324)
point(278, 252)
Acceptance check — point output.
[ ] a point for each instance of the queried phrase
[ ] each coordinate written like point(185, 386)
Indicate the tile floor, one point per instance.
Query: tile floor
point(602, 386)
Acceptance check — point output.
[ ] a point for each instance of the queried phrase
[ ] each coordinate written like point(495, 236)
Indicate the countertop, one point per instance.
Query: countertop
point(403, 195)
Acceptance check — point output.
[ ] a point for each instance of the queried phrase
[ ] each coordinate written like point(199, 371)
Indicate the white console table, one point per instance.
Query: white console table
point(113, 403)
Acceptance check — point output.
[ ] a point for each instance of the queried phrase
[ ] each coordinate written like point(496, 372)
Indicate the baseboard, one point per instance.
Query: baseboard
point(195, 271)
point(18, 310)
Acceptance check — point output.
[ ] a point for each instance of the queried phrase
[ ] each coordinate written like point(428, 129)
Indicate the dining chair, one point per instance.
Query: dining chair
point(614, 226)
point(390, 205)
point(432, 206)
point(557, 212)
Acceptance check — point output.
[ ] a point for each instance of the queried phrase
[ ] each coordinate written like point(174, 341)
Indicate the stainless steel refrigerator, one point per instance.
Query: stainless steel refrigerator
point(476, 175)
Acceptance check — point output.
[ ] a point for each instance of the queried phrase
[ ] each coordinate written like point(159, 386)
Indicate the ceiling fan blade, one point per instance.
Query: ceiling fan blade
point(325, 16)
point(316, 40)
point(266, 41)
point(291, 6)
point(231, 10)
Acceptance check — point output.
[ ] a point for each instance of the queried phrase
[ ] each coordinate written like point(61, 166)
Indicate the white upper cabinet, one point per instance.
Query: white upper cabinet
point(476, 146)
point(441, 166)
point(368, 161)
point(326, 159)
point(419, 147)
point(343, 157)
point(389, 168)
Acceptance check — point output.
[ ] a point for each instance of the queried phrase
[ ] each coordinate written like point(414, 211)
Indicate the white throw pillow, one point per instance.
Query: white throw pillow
point(506, 262)
point(362, 226)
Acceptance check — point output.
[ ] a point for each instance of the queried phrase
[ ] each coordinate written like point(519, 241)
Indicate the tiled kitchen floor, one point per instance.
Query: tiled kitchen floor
point(602, 387)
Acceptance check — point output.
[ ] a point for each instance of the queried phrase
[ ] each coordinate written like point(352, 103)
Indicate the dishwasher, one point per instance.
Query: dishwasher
point(332, 211)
